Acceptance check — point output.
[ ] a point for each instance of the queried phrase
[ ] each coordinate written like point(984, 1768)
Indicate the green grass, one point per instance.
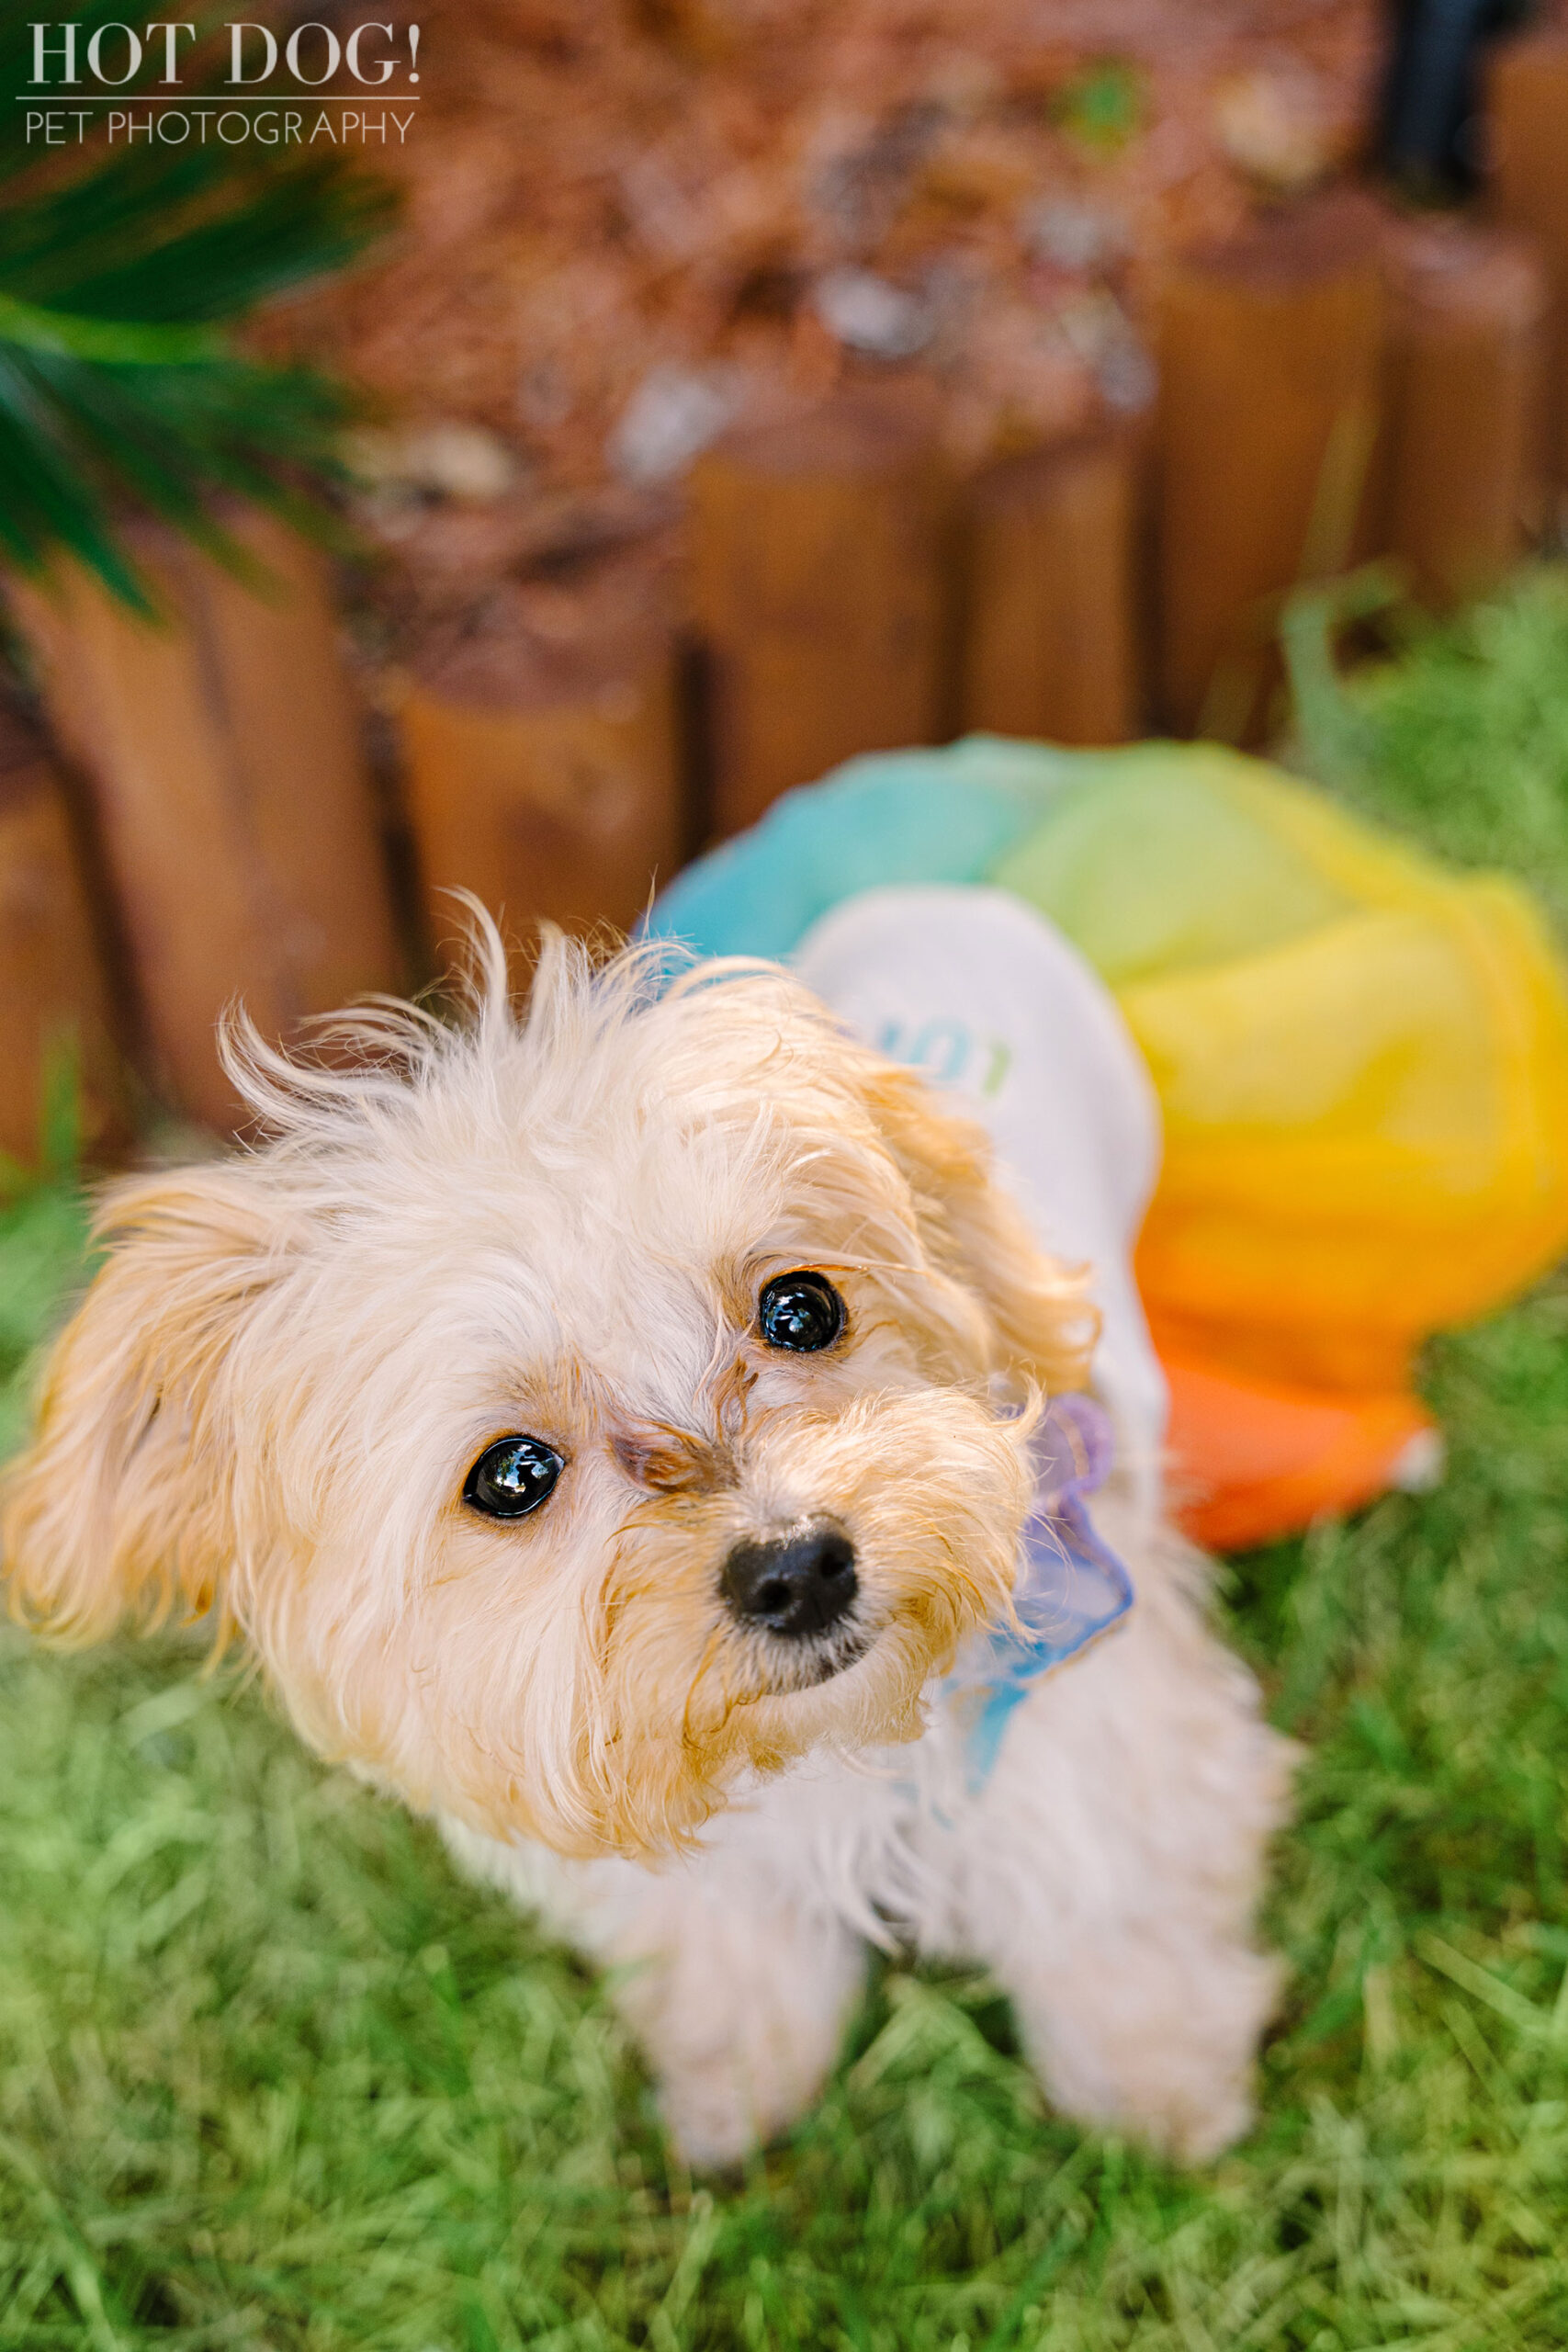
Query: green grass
point(1463, 738)
point(271, 2076)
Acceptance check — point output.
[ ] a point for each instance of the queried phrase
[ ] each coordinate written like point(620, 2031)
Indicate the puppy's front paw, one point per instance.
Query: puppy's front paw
point(740, 2012)
point(1154, 2042)
point(721, 2102)
point(713, 2120)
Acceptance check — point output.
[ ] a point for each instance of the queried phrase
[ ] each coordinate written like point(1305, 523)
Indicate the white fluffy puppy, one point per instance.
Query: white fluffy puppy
point(608, 1426)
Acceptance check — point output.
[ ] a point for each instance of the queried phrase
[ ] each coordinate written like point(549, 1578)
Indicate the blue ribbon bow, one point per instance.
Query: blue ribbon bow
point(1071, 1588)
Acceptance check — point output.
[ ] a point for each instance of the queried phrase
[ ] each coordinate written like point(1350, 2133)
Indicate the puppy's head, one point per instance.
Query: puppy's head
point(575, 1414)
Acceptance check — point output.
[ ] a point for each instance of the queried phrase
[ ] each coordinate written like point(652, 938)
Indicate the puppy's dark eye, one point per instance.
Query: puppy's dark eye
point(513, 1477)
point(802, 1312)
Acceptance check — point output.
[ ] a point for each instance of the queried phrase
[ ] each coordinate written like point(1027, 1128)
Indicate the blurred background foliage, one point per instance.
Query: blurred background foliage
point(122, 277)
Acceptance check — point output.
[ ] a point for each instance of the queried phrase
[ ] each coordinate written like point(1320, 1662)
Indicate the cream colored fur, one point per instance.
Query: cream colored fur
point(265, 1409)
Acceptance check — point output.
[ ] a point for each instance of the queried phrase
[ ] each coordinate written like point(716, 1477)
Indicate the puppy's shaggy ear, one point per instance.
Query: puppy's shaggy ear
point(1042, 1320)
point(122, 1505)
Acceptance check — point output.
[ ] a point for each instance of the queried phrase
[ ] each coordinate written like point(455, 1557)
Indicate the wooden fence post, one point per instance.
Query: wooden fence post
point(1050, 619)
point(222, 756)
point(820, 587)
point(1528, 160)
point(550, 789)
point(1271, 348)
point(1460, 473)
point(52, 995)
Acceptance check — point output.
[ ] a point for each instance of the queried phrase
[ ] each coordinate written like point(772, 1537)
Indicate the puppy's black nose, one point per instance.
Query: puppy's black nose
point(797, 1589)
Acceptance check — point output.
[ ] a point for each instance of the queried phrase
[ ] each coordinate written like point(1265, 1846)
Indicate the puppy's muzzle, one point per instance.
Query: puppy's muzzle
point(796, 1587)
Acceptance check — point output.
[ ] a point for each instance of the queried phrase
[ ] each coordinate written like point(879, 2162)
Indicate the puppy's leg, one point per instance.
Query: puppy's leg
point(1112, 1865)
point(740, 2005)
point(736, 1975)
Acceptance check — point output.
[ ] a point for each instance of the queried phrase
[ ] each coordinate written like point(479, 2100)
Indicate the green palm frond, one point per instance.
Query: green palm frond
point(120, 391)
point(170, 234)
point(81, 441)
